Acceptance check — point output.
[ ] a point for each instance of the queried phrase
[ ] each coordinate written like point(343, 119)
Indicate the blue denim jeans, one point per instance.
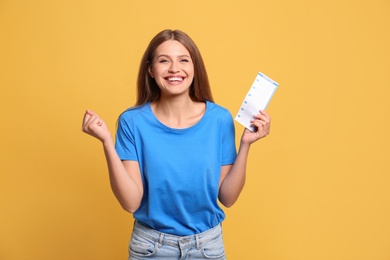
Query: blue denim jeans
point(147, 243)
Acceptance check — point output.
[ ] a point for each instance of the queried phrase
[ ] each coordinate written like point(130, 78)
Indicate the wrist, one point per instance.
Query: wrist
point(107, 141)
point(244, 146)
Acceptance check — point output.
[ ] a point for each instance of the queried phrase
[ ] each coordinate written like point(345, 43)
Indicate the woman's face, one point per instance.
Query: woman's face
point(172, 68)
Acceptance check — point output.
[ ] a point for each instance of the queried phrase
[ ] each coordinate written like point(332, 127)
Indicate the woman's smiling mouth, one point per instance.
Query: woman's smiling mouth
point(174, 79)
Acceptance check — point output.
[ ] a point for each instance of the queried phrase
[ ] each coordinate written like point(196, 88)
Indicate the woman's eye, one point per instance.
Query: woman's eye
point(184, 60)
point(163, 61)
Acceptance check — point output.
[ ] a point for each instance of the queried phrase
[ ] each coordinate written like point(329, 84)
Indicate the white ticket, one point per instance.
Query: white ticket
point(258, 97)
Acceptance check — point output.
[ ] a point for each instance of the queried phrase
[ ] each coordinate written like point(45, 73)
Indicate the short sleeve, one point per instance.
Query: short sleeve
point(125, 144)
point(229, 152)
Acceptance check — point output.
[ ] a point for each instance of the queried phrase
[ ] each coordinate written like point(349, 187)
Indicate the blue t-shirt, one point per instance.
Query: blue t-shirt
point(180, 168)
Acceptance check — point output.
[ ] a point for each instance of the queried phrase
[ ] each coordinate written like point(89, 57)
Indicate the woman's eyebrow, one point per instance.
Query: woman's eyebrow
point(169, 56)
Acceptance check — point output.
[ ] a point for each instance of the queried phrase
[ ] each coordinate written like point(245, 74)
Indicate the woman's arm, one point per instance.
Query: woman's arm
point(125, 176)
point(233, 176)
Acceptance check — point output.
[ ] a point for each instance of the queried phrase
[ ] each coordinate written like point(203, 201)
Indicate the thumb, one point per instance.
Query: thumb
point(90, 112)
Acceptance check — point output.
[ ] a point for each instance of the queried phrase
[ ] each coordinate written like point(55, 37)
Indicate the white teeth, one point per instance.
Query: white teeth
point(175, 79)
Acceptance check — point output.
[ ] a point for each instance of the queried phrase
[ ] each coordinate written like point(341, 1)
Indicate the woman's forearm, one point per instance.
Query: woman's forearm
point(125, 177)
point(124, 186)
point(234, 180)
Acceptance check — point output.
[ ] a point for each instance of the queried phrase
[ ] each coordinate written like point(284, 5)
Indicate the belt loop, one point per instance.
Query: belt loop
point(197, 242)
point(160, 241)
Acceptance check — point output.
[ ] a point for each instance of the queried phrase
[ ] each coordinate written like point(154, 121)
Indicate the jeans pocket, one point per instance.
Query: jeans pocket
point(141, 246)
point(214, 249)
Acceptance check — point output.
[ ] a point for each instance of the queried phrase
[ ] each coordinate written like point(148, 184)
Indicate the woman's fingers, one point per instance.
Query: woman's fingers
point(90, 112)
point(262, 122)
point(95, 126)
point(263, 116)
point(90, 120)
point(86, 118)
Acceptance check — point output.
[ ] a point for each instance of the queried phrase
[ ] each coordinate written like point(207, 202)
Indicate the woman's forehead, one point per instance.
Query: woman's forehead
point(172, 48)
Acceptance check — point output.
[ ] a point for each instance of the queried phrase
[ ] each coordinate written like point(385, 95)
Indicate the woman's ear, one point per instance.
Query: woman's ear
point(150, 71)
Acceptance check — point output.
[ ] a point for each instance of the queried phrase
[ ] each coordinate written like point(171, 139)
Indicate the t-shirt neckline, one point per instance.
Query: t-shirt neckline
point(200, 122)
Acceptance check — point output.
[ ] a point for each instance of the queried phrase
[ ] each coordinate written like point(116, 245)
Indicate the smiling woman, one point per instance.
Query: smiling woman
point(147, 88)
point(175, 155)
point(172, 68)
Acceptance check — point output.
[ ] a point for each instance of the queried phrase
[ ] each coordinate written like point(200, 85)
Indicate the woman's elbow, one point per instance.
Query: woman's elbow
point(227, 203)
point(130, 209)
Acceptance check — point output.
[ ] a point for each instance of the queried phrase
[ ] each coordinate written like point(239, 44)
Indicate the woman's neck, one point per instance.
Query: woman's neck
point(178, 113)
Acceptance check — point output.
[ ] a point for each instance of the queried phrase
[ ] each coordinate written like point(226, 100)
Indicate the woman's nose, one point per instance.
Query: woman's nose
point(174, 67)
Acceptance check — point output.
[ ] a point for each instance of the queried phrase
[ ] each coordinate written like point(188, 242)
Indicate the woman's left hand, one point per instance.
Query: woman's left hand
point(262, 124)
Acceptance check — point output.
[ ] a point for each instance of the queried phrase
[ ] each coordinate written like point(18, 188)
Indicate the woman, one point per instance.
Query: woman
point(175, 155)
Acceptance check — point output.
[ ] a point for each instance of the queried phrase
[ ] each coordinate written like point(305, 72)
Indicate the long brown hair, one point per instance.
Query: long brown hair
point(147, 89)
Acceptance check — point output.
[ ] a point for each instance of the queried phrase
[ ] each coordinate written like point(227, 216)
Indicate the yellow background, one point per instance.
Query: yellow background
point(318, 187)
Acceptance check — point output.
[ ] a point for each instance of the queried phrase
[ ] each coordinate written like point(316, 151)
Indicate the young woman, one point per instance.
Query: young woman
point(175, 155)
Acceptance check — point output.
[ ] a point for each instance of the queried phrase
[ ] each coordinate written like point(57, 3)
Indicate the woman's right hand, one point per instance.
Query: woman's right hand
point(95, 126)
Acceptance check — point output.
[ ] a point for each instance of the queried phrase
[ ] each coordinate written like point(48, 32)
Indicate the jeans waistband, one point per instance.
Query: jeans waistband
point(173, 240)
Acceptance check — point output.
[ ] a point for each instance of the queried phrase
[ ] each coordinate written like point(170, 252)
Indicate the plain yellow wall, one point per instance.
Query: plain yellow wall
point(318, 187)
